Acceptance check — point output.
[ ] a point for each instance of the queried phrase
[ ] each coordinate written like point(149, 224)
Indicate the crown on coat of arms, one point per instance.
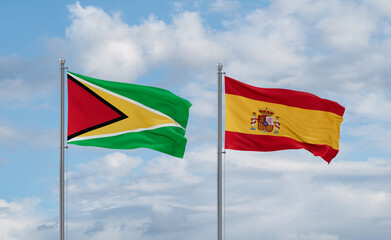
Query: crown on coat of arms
point(265, 111)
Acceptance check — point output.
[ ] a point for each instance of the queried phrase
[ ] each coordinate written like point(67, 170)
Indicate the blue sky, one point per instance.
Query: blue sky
point(339, 50)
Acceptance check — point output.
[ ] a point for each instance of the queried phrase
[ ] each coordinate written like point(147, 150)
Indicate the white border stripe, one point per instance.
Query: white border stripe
point(123, 132)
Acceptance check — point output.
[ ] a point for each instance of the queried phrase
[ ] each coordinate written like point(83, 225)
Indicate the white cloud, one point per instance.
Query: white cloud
point(224, 6)
point(165, 219)
point(311, 236)
point(308, 46)
point(103, 43)
point(101, 177)
point(170, 198)
point(264, 191)
point(370, 136)
point(380, 7)
point(8, 133)
point(263, 45)
point(24, 81)
point(201, 100)
point(111, 166)
point(11, 86)
point(347, 25)
point(373, 105)
point(307, 197)
point(20, 219)
point(124, 52)
point(286, 163)
point(153, 195)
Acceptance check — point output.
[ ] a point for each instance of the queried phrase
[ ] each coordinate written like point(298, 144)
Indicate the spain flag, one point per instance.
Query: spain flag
point(264, 119)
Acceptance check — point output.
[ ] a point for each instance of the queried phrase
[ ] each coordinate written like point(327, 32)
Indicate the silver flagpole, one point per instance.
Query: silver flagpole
point(219, 154)
point(62, 232)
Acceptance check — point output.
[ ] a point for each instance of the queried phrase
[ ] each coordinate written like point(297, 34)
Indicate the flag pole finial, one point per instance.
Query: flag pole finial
point(62, 61)
point(219, 67)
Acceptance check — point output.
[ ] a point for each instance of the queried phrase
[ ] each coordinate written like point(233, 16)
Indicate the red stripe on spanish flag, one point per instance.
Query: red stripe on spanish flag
point(282, 96)
point(262, 119)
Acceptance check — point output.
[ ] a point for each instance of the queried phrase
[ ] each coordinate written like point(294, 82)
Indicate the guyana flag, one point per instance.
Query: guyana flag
point(125, 116)
point(265, 119)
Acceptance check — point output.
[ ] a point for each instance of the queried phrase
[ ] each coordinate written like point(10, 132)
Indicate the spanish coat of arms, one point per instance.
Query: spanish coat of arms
point(265, 121)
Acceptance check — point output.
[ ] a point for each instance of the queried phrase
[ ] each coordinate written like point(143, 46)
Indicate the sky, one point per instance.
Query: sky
point(338, 50)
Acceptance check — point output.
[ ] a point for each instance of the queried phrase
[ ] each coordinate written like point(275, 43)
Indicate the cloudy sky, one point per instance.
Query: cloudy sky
point(339, 50)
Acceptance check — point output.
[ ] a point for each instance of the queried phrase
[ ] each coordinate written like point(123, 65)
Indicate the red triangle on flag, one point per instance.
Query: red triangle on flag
point(87, 110)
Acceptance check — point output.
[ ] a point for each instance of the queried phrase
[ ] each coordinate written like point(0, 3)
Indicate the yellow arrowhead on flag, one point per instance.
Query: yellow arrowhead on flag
point(125, 116)
point(139, 117)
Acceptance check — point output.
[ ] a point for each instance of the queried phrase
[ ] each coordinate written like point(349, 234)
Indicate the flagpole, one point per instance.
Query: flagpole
point(62, 147)
point(219, 154)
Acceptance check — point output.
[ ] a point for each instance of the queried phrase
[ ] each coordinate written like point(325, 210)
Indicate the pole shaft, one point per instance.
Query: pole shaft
point(219, 155)
point(62, 147)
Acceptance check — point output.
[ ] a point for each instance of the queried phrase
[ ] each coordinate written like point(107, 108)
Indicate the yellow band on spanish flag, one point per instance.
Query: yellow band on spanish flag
point(260, 119)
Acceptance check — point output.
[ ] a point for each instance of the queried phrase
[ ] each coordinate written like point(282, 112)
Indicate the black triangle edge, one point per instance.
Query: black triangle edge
point(121, 117)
